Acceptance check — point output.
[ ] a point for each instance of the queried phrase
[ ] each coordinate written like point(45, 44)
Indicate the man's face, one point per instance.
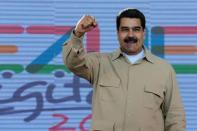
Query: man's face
point(130, 35)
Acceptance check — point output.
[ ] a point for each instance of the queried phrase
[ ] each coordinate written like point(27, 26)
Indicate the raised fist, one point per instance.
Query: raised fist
point(85, 24)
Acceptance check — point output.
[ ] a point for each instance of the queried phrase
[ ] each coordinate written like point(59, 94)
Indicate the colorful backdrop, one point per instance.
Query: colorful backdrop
point(38, 93)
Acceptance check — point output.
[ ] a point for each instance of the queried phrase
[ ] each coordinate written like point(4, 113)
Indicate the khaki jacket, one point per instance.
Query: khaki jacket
point(128, 97)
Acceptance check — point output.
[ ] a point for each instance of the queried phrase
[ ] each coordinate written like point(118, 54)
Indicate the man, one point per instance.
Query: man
point(133, 89)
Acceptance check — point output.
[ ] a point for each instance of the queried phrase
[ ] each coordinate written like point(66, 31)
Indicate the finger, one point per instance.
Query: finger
point(94, 22)
point(88, 22)
point(87, 26)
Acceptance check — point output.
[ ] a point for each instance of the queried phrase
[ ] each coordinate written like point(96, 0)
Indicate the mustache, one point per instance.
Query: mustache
point(130, 40)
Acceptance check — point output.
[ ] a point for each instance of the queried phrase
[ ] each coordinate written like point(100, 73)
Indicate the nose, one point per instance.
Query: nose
point(130, 33)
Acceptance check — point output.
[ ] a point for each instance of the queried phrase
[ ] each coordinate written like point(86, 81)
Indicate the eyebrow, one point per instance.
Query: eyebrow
point(130, 27)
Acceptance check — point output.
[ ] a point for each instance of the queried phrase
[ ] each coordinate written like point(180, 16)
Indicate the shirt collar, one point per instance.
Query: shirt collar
point(134, 58)
point(147, 55)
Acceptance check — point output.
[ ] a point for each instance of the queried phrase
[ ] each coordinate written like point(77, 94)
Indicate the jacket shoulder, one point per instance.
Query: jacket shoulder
point(163, 63)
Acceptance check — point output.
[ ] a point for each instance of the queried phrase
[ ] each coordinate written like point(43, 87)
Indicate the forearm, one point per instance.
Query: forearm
point(175, 120)
point(74, 56)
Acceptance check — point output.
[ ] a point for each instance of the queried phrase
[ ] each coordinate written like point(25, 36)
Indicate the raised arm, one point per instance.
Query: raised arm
point(74, 55)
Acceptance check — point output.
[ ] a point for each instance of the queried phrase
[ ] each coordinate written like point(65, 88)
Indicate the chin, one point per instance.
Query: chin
point(132, 52)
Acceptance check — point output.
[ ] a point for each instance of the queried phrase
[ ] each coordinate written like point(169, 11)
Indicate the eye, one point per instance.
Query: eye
point(137, 29)
point(124, 29)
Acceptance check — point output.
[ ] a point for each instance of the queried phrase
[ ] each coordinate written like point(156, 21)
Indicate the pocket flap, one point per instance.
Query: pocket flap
point(102, 125)
point(155, 90)
point(110, 82)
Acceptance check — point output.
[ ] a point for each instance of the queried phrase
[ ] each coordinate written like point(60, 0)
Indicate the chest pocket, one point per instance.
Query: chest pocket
point(109, 88)
point(153, 96)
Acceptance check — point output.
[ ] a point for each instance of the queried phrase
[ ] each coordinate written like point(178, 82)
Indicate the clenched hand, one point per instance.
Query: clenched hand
point(85, 24)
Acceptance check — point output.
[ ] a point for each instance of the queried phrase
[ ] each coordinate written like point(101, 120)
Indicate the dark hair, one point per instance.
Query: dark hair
point(130, 13)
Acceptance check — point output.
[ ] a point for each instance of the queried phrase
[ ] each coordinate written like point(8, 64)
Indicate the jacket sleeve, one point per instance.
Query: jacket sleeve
point(174, 111)
point(78, 61)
